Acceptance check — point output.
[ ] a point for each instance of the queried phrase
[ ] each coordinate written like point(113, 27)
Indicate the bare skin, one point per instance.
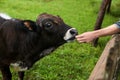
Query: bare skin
point(87, 37)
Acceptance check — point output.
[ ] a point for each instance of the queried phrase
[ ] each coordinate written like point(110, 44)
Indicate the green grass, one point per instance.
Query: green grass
point(72, 61)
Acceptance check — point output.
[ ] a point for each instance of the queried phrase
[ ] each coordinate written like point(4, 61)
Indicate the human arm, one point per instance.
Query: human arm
point(91, 35)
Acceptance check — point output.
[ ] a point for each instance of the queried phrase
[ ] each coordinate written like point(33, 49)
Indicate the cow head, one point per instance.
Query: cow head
point(54, 29)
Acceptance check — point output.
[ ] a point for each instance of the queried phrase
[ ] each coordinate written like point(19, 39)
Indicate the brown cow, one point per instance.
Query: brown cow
point(23, 42)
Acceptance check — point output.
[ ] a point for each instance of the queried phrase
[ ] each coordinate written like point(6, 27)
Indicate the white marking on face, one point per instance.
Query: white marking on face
point(5, 16)
point(68, 35)
point(17, 66)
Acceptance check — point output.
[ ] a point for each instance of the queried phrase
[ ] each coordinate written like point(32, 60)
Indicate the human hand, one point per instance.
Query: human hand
point(86, 37)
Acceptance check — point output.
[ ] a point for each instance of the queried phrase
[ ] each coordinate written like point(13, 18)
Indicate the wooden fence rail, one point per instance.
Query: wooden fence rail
point(108, 65)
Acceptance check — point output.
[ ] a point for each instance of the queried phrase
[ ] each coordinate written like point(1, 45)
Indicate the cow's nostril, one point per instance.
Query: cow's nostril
point(73, 32)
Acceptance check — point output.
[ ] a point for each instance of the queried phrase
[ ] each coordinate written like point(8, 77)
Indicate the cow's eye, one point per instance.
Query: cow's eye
point(48, 24)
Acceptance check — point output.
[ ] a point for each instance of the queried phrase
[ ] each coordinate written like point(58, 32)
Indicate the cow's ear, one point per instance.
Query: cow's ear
point(30, 25)
point(27, 25)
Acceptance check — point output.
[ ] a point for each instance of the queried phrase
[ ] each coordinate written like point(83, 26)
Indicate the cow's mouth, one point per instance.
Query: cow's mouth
point(71, 39)
point(70, 35)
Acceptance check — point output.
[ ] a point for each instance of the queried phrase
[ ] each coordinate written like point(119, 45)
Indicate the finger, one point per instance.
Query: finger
point(79, 36)
point(81, 40)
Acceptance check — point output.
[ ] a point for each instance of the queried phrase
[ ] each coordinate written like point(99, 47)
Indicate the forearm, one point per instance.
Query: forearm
point(112, 29)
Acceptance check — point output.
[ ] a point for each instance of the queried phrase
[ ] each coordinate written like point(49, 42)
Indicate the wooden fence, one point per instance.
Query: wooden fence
point(108, 65)
point(105, 6)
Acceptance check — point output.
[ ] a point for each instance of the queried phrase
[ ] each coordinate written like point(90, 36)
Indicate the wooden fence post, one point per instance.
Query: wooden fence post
point(105, 5)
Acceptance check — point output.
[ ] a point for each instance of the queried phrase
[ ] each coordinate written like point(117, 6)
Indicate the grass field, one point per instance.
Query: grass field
point(72, 61)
